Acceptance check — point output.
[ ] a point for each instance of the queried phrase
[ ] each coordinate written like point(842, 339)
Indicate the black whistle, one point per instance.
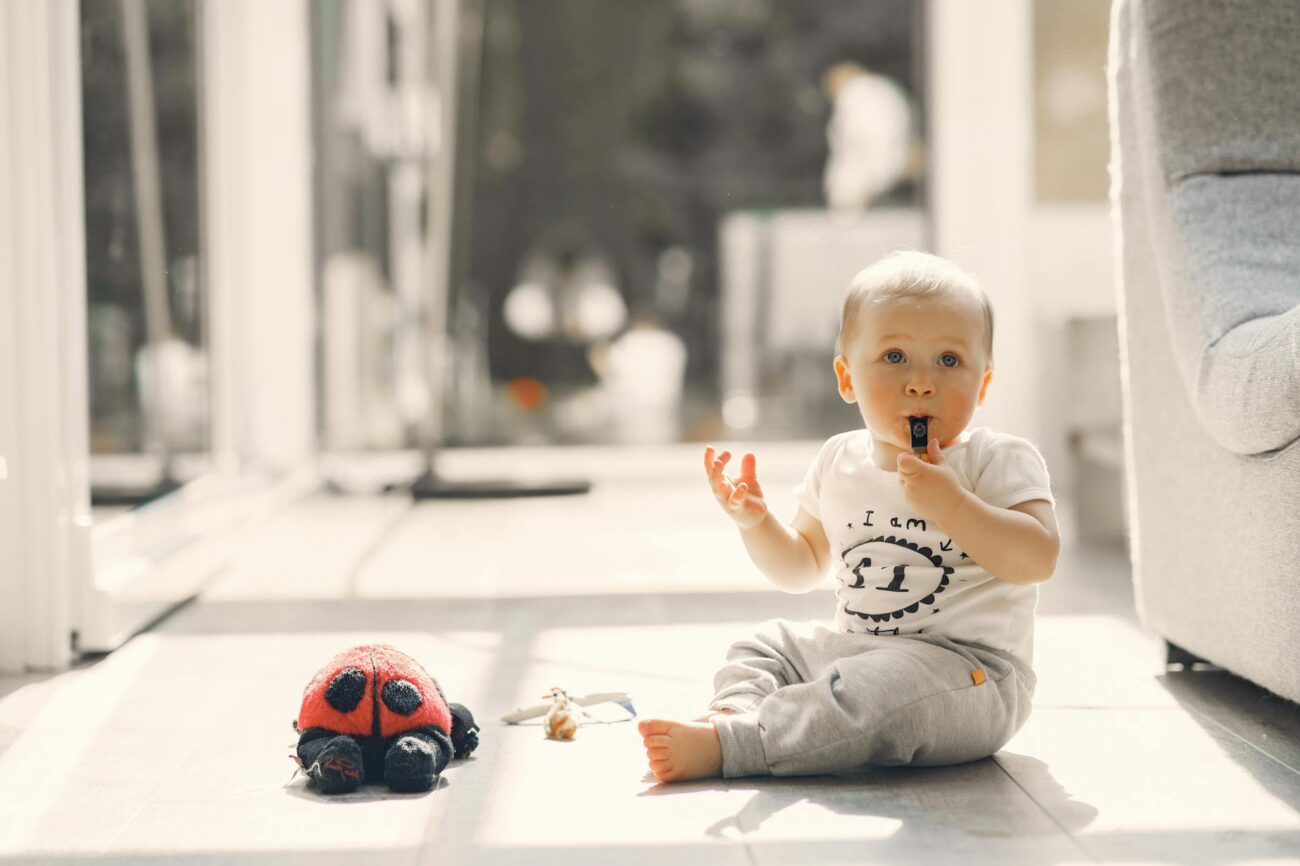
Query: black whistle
point(920, 434)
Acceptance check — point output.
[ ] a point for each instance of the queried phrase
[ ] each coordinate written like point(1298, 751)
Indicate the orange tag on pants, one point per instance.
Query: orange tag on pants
point(977, 676)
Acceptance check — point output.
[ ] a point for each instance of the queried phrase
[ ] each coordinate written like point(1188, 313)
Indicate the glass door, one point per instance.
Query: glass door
point(146, 294)
point(199, 318)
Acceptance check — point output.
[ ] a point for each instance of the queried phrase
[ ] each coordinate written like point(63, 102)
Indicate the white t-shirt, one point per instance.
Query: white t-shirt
point(898, 573)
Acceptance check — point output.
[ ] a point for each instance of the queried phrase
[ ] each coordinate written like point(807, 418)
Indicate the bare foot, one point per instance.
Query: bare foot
point(681, 750)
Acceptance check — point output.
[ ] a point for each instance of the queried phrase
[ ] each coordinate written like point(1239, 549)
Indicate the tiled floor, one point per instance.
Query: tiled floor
point(175, 748)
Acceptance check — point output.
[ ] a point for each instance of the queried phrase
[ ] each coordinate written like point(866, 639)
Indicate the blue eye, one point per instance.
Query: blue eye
point(893, 357)
point(948, 357)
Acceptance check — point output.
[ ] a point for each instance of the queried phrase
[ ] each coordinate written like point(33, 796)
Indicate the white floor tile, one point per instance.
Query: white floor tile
point(1161, 785)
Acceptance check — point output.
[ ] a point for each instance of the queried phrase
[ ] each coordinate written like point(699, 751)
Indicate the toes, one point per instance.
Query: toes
point(663, 770)
point(658, 753)
point(658, 741)
point(650, 727)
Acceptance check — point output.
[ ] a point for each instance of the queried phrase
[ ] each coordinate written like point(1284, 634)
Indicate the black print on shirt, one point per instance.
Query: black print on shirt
point(909, 577)
point(912, 523)
point(895, 585)
point(860, 579)
point(915, 524)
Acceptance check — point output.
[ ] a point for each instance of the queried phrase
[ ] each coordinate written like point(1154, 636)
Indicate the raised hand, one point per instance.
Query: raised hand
point(741, 498)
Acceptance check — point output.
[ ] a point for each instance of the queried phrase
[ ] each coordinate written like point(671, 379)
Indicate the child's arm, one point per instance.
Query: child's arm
point(795, 558)
point(1018, 544)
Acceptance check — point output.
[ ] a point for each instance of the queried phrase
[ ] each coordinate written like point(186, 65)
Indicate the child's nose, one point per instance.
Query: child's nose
point(920, 386)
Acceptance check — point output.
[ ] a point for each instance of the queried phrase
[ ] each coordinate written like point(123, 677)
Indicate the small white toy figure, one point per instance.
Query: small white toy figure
point(562, 718)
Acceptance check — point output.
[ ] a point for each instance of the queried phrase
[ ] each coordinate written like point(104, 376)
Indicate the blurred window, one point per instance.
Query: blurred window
point(664, 166)
point(149, 399)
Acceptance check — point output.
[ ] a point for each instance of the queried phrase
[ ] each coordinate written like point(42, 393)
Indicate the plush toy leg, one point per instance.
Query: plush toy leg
point(464, 733)
point(333, 763)
point(415, 760)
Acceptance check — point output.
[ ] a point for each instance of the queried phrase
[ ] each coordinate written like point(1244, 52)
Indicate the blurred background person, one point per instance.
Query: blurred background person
point(870, 135)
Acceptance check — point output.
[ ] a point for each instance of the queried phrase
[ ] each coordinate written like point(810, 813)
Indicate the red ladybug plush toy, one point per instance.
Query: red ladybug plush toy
point(371, 707)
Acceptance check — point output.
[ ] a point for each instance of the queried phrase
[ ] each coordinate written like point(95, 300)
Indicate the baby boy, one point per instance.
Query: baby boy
point(938, 537)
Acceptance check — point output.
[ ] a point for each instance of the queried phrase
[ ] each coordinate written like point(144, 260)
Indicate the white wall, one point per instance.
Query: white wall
point(981, 163)
point(1073, 278)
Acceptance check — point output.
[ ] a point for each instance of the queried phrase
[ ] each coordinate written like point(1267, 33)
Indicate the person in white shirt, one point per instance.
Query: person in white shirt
point(870, 138)
point(937, 547)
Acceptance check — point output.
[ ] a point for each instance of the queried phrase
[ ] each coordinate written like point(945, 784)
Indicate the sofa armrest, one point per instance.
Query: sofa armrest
point(1216, 93)
point(1232, 295)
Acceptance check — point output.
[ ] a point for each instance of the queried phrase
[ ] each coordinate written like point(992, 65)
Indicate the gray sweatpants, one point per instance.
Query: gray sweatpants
point(809, 699)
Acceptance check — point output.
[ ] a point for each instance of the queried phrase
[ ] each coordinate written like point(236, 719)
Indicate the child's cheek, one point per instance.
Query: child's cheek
point(882, 406)
point(962, 399)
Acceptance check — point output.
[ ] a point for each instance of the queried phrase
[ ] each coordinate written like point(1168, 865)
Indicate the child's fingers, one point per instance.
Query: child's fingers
point(731, 495)
point(714, 461)
point(936, 453)
point(710, 468)
point(748, 465)
point(713, 464)
point(908, 464)
point(716, 470)
point(737, 497)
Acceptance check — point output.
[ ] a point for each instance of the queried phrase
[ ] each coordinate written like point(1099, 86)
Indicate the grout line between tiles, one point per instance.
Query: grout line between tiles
point(1257, 748)
point(1105, 707)
point(750, 856)
point(1074, 840)
point(149, 798)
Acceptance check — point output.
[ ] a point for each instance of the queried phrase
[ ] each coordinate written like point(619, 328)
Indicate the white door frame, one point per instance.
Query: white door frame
point(60, 581)
point(44, 480)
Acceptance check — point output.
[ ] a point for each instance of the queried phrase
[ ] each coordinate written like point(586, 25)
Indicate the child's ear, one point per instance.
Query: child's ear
point(984, 386)
point(844, 380)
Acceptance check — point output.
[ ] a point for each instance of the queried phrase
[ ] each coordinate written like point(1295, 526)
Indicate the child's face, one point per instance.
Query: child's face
point(916, 356)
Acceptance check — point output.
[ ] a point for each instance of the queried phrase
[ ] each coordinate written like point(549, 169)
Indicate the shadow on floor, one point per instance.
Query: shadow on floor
point(1257, 729)
point(909, 795)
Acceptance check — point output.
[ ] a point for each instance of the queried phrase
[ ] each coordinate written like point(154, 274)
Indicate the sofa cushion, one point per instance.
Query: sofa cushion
point(1226, 84)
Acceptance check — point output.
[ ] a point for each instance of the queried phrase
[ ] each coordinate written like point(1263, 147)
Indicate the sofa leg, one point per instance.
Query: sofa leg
point(1176, 655)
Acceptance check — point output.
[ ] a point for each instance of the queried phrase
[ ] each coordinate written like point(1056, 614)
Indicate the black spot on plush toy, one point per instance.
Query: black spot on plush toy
point(374, 707)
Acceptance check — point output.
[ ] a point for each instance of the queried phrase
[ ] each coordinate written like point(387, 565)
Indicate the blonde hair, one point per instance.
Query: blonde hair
point(910, 274)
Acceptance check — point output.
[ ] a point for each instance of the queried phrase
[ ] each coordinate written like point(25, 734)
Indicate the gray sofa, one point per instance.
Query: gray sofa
point(1205, 117)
